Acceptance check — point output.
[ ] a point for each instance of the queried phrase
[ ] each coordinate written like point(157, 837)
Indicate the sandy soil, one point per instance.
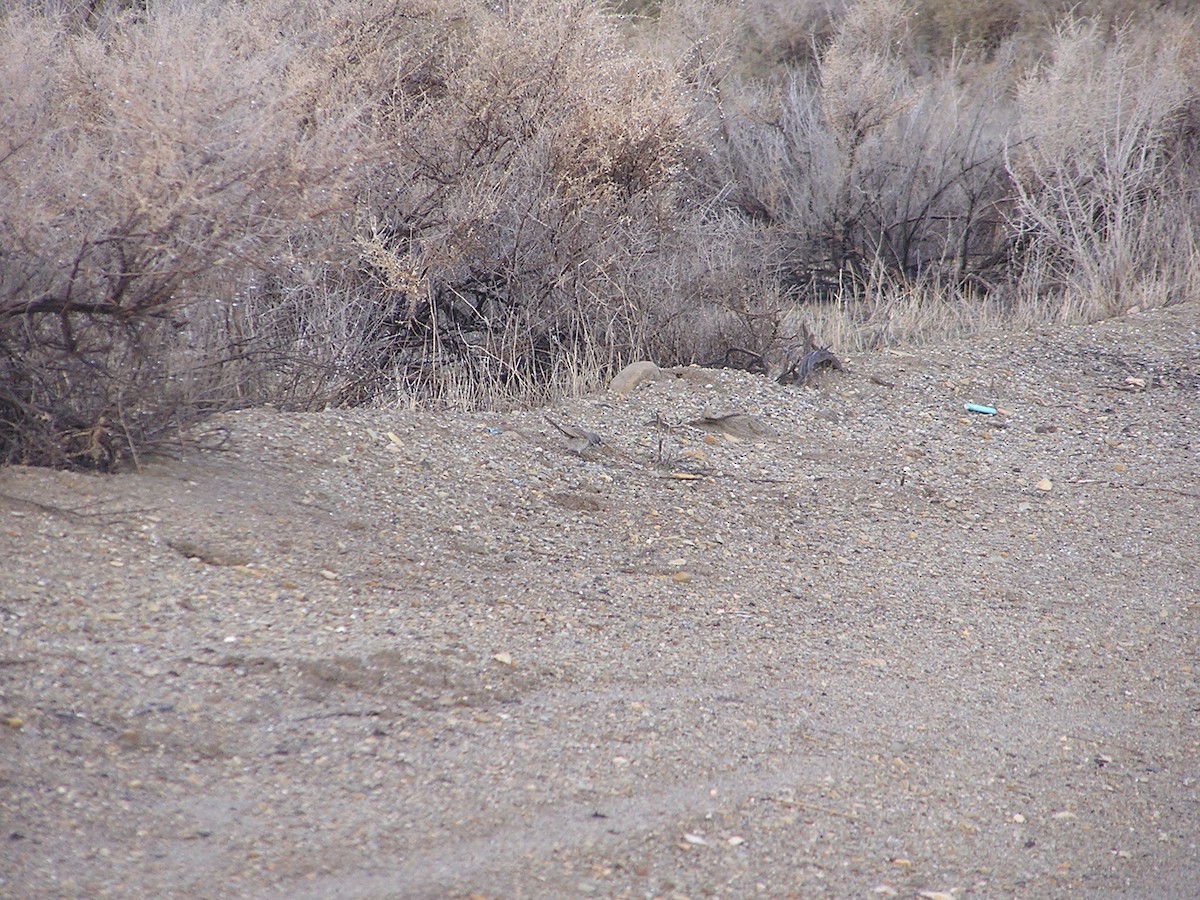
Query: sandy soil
point(859, 642)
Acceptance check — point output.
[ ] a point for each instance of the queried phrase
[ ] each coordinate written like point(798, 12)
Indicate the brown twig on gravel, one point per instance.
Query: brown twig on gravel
point(1137, 487)
point(813, 807)
point(798, 368)
point(1154, 487)
point(348, 713)
point(99, 518)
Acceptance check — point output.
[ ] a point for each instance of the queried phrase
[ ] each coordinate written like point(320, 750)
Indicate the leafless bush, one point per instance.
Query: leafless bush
point(514, 189)
point(1100, 212)
point(530, 188)
point(977, 176)
point(789, 33)
point(863, 163)
point(944, 28)
point(134, 160)
point(208, 203)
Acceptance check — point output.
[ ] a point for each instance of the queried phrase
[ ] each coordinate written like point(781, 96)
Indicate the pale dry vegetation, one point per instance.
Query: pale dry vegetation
point(206, 204)
point(142, 164)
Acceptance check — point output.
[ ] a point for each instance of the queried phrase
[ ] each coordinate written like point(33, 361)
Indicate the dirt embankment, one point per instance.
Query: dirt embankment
point(868, 642)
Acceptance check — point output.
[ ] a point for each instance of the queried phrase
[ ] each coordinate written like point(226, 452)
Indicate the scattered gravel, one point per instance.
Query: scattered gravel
point(855, 640)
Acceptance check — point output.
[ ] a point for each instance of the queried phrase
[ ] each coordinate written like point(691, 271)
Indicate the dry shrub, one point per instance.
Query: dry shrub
point(297, 330)
point(865, 163)
point(1100, 211)
point(503, 178)
point(528, 194)
point(1056, 188)
point(944, 28)
point(918, 163)
point(865, 83)
point(888, 311)
point(212, 203)
point(788, 32)
point(138, 159)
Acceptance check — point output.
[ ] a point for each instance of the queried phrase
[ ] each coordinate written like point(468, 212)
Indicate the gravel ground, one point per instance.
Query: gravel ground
point(857, 642)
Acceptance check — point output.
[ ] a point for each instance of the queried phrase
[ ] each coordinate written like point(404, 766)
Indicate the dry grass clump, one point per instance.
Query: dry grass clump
point(207, 203)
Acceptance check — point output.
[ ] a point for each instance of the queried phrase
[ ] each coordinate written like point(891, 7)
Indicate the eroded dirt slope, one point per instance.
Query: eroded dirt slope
point(875, 643)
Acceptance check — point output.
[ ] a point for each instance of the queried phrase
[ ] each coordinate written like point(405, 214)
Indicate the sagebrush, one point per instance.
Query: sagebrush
point(207, 204)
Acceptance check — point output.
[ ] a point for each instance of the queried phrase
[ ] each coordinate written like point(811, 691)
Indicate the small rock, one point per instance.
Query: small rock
point(634, 374)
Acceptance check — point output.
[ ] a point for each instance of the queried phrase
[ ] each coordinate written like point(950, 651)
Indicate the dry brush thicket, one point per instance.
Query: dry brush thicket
point(206, 204)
